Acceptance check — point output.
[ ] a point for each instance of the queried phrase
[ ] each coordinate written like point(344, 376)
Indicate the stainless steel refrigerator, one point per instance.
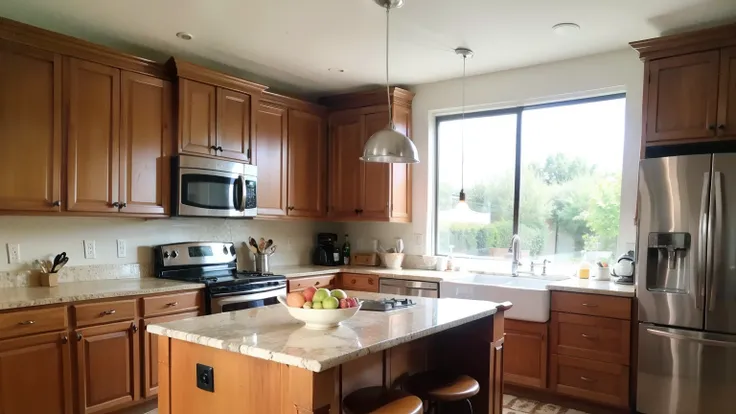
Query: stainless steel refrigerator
point(686, 285)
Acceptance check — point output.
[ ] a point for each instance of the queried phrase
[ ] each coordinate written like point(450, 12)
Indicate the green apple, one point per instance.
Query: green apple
point(339, 293)
point(331, 303)
point(307, 305)
point(320, 295)
point(316, 305)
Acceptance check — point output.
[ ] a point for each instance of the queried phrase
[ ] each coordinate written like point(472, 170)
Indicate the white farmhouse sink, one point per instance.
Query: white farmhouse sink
point(529, 296)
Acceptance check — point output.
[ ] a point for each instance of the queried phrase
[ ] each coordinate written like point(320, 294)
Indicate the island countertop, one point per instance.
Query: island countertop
point(270, 333)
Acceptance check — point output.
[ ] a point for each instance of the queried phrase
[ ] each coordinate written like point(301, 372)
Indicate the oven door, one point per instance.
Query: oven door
point(211, 193)
point(245, 301)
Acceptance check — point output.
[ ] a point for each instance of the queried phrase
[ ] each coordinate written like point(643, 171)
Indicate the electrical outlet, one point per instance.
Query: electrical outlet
point(419, 239)
point(89, 249)
point(13, 253)
point(122, 248)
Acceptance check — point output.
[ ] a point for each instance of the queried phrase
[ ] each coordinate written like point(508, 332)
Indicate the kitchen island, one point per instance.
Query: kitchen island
point(263, 361)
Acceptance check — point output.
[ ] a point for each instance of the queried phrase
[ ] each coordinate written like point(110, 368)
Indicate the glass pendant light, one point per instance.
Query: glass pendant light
point(462, 205)
point(389, 145)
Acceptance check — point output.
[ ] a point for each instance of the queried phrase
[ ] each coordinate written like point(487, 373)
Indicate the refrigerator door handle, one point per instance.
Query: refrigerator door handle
point(688, 337)
point(702, 236)
point(716, 231)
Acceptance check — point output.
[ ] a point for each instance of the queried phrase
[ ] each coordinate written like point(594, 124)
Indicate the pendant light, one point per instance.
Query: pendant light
point(389, 145)
point(462, 204)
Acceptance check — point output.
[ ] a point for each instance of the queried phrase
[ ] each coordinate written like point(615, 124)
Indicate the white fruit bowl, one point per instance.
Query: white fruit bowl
point(320, 318)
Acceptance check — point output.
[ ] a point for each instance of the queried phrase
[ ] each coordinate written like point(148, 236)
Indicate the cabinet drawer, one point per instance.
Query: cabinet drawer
point(179, 302)
point(104, 312)
point(365, 283)
point(591, 337)
point(32, 321)
point(302, 283)
point(594, 305)
point(601, 382)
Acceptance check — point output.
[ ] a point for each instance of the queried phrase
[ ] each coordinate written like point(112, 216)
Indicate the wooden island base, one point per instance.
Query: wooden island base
point(244, 384)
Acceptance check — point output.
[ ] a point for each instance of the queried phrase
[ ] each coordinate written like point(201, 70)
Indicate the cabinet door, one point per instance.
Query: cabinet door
point(93, 130)
point(108, 366)
point(727, 94)
point(345, 149)
point(35, 375)
point(401, 173)
point(233, 124)
point(271, 153)
point(197, 117)
point(150, 352)
point(30, 129)
point(682, 97)
point(525, 357)
point(145, 144)
point(376, 176)
point(307, 150)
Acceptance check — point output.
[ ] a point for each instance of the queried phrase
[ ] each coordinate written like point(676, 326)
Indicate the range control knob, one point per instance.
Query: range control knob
point(224, 249)
point(174, 254)
point(166, 255)
point(232, 250)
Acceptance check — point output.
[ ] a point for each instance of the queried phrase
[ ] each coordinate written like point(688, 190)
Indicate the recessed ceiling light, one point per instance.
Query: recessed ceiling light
point(185, 36)
point(566, 29)
point(336, 70)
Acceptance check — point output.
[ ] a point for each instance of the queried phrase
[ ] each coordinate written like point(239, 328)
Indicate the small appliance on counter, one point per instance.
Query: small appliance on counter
point(385, 305)
point(623, 269)
point(326, 253)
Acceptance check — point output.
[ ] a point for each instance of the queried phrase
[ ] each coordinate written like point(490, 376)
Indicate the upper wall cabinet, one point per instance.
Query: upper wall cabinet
point(217, 113)
point(690, 90)
point(360, 190)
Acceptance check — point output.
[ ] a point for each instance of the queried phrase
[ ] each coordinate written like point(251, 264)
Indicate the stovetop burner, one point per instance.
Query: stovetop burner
point(385, 305)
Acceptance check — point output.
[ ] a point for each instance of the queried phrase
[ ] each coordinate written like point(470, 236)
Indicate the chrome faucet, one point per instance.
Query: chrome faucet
point(515, 251)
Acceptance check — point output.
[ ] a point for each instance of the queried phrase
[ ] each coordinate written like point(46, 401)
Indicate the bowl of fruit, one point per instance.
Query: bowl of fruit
point(320, 308)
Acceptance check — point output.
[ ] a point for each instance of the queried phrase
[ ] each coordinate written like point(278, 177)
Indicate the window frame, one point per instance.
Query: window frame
point(518, 110)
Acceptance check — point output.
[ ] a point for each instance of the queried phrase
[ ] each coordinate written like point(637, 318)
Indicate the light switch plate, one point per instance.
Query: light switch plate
point(89, 249)
point(13, 253)
point(122, 248)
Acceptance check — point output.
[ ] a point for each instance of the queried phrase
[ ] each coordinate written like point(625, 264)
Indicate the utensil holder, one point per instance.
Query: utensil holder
point(602, 274)
point(49, 279)
point(261, 263)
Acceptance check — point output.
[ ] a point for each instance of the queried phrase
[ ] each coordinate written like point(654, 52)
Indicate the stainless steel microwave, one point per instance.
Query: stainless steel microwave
point(207, 187)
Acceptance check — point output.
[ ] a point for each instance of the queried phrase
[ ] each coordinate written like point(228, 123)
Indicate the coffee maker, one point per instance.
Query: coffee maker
point(326, 253)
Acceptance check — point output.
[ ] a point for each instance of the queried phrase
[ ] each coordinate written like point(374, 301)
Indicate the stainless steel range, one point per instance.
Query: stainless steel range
point(215, 265)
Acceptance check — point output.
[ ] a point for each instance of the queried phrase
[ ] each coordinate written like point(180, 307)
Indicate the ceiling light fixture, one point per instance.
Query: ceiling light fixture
point(462, 204)
point(389, 145)
point(566, 29)
point(185, 36)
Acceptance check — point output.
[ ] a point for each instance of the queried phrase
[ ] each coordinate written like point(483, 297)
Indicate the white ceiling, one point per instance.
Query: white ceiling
point(290, 44)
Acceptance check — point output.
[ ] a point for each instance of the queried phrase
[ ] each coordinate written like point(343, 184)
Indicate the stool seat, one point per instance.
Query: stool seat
point(378, 400)
point(442, 387)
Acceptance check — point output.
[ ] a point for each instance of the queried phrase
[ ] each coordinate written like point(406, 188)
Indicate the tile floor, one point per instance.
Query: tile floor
point(518, 405)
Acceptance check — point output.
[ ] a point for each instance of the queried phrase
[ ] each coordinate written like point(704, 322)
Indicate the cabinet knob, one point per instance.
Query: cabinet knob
point(116, 204)
point(134, 327)
point(712, 127)
point(56, 203)
point(357, 211)
point(214, 148)
point(79, 336)
point(219, 148)
point(64, 339)
point(722, 127)
point(123, 205)
point(290, 208)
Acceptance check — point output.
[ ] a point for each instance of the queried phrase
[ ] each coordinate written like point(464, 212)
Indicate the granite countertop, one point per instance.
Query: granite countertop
point(412, 274)
point(21, 297)
point(593, 286)
point(271, 333)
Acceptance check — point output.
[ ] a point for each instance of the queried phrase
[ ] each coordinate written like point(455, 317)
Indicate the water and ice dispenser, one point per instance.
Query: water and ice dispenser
point(667, 255)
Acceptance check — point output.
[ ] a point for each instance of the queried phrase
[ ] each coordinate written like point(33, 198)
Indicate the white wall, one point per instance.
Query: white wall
point(594, 75)
point(40, 237)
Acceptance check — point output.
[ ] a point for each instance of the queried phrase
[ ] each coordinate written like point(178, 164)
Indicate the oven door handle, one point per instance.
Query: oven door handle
point(267, 289)
point(219, 303)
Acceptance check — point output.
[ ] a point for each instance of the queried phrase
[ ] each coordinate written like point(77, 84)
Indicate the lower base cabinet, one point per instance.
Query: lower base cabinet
point(150, 351)
point(601, 382)
point(525, 358)
point(35, 375)
point(108, 366)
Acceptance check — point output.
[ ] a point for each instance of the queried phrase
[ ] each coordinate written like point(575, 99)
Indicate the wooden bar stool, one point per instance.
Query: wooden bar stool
point(378, 400)
point(439, 388)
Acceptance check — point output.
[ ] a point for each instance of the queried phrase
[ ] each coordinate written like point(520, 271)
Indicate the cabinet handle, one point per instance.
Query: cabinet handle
point(586, 379)
point(586, 336)
point(108, 312)
point(219, 148)
point(64, 339)
point(116, 204)
point(290, 208)
point(357, 211)
point(135, 328)
point(316, 284)
point(214, 148)
point(79, 336)
point(722, 127)
point(172, 304)
point(353, 281)
point(712, 127)
point(56, 203)
point(590, 305)
point(26, 323)
point(123, 205)
point(370, 281)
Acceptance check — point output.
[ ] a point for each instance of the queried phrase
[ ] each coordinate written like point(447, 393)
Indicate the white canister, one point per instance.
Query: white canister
point(441, 264)
point(602, 274)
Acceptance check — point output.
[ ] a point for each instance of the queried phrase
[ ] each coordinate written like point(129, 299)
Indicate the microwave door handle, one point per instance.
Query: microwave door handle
point(716, 230)
point(243, 195)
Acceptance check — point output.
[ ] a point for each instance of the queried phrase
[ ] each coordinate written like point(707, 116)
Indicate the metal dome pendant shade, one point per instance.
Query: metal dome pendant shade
point(389, 145)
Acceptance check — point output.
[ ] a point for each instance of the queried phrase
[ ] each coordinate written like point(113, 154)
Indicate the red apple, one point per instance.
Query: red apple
point(309, 293)
point(353, 302)
point(344, 303)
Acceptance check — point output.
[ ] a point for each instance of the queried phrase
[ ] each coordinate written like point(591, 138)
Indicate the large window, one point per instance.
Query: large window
point(550, 173)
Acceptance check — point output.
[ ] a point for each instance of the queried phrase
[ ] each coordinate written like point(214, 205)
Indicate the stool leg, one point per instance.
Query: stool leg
point(470, 406)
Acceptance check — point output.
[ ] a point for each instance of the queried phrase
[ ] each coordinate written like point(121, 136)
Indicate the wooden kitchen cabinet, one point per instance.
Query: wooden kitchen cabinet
point(272, 155)
point(150, 351)
point(727, 94)
point(525, 359)
point(233, 125)
point(108, 366)
point(31, 108)
point(197, 117)
point(354, 281)
point(36, 375)
point(301, 283)
point(360, 190)
point(307, 164)
point(93, 136)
